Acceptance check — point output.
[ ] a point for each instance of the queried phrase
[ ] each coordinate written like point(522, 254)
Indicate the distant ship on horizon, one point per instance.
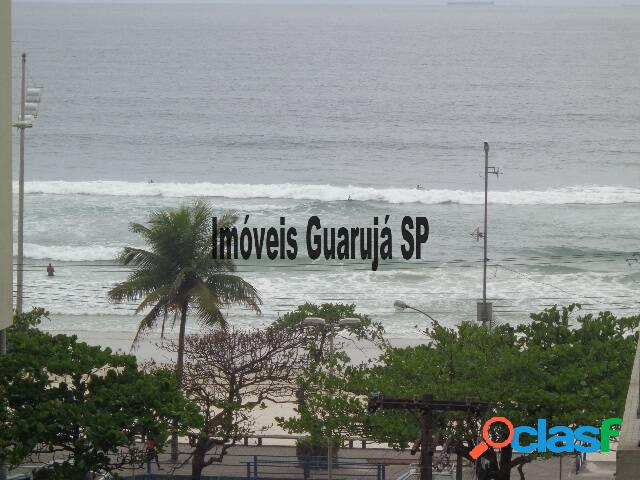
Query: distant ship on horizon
point(479, 3)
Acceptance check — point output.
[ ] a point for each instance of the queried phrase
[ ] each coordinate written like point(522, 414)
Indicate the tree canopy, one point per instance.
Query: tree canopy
point(315, 410)
point(93, 406)
point(568, 368)
point(178, 274)
point(230, 373)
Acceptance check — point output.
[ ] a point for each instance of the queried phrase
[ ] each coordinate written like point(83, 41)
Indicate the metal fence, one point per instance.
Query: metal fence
point(313, 468)
point(272, 467)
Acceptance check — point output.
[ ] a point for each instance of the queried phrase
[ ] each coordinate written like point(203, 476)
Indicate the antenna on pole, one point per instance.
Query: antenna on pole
point(485, 309)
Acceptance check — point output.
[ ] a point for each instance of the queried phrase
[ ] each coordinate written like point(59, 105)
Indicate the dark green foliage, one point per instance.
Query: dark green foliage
point(313, 451)
point(570, 370)
point(319, 414)
point(317, 338)
point(178, 272)
point(178, 275)
point(61, 395)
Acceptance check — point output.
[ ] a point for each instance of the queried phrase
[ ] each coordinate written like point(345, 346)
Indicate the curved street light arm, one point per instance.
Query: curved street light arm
point(420, 311)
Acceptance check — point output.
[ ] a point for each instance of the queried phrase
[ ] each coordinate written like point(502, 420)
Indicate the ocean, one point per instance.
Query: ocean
point(287, 111)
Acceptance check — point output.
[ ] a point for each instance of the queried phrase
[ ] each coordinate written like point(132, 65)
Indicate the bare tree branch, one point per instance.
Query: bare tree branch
point(228, 373)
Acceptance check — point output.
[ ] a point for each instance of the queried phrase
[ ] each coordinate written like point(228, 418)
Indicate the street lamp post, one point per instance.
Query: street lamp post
point(485, 310)
point(485, 318)
point(322, 323)
point(29, 103)
point(400, 305)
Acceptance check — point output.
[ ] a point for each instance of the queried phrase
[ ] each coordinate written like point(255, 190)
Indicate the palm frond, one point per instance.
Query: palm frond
point(176, 269)
point(207, 305)
point(138, 257)
point(148, 322)
point(137, 286)
point(158, 296)
point(139, 229)
point(164, 321)
point(233, 290)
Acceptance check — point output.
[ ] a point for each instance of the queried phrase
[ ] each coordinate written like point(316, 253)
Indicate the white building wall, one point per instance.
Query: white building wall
point(628, 454)
point(6, 219)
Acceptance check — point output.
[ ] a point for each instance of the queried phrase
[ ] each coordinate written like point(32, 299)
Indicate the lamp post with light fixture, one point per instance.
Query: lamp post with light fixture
point(29, 103)
point(322, 323)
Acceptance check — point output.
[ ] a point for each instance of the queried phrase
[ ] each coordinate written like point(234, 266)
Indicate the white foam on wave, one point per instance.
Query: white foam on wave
point(68, 253)
point(451, 296)
point(589, 194)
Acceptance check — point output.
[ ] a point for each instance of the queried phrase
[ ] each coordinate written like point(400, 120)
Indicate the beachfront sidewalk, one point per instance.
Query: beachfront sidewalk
point(279, 462)
point(598, 467)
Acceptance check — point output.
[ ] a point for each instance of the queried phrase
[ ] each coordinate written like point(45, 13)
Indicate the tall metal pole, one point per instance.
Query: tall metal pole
point(426, 458)
point(330, 438)
point(19, 281)
point(560, 467)
point(484, 233)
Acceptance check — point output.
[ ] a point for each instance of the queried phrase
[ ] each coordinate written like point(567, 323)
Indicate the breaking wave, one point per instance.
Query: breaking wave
point(330, 193)
point(68, 253)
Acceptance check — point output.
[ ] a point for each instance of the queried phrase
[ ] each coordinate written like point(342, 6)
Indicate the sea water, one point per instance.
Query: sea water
point(291, 110)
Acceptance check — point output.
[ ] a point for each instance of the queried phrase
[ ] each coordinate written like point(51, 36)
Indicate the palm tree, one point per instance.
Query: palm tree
point(178, 274)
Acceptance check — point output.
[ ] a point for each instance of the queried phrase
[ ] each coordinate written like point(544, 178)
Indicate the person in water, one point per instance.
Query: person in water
point(50, 270)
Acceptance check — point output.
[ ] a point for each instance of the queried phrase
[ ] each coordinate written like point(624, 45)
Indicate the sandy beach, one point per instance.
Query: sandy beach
point(149, 349)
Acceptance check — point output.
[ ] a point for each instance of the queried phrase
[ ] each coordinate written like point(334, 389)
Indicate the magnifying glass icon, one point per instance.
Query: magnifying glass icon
point(484, 446)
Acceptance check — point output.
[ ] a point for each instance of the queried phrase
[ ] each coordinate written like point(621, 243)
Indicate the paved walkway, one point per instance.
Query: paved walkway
point(279, 462)
point(551, 470)
point(235, 463)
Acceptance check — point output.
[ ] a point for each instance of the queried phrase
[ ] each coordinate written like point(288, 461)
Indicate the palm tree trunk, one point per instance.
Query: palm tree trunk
point(179, 375)
point(180, 361)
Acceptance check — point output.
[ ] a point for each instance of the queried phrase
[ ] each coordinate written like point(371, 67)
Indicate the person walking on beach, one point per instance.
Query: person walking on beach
point(50, 270)
point(152, 452)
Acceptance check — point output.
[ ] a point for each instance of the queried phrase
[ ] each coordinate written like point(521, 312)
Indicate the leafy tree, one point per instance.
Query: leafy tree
point(228, 374)
point(324, 415)
point(178, 274)
point(61, 395)
point(571, 371)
